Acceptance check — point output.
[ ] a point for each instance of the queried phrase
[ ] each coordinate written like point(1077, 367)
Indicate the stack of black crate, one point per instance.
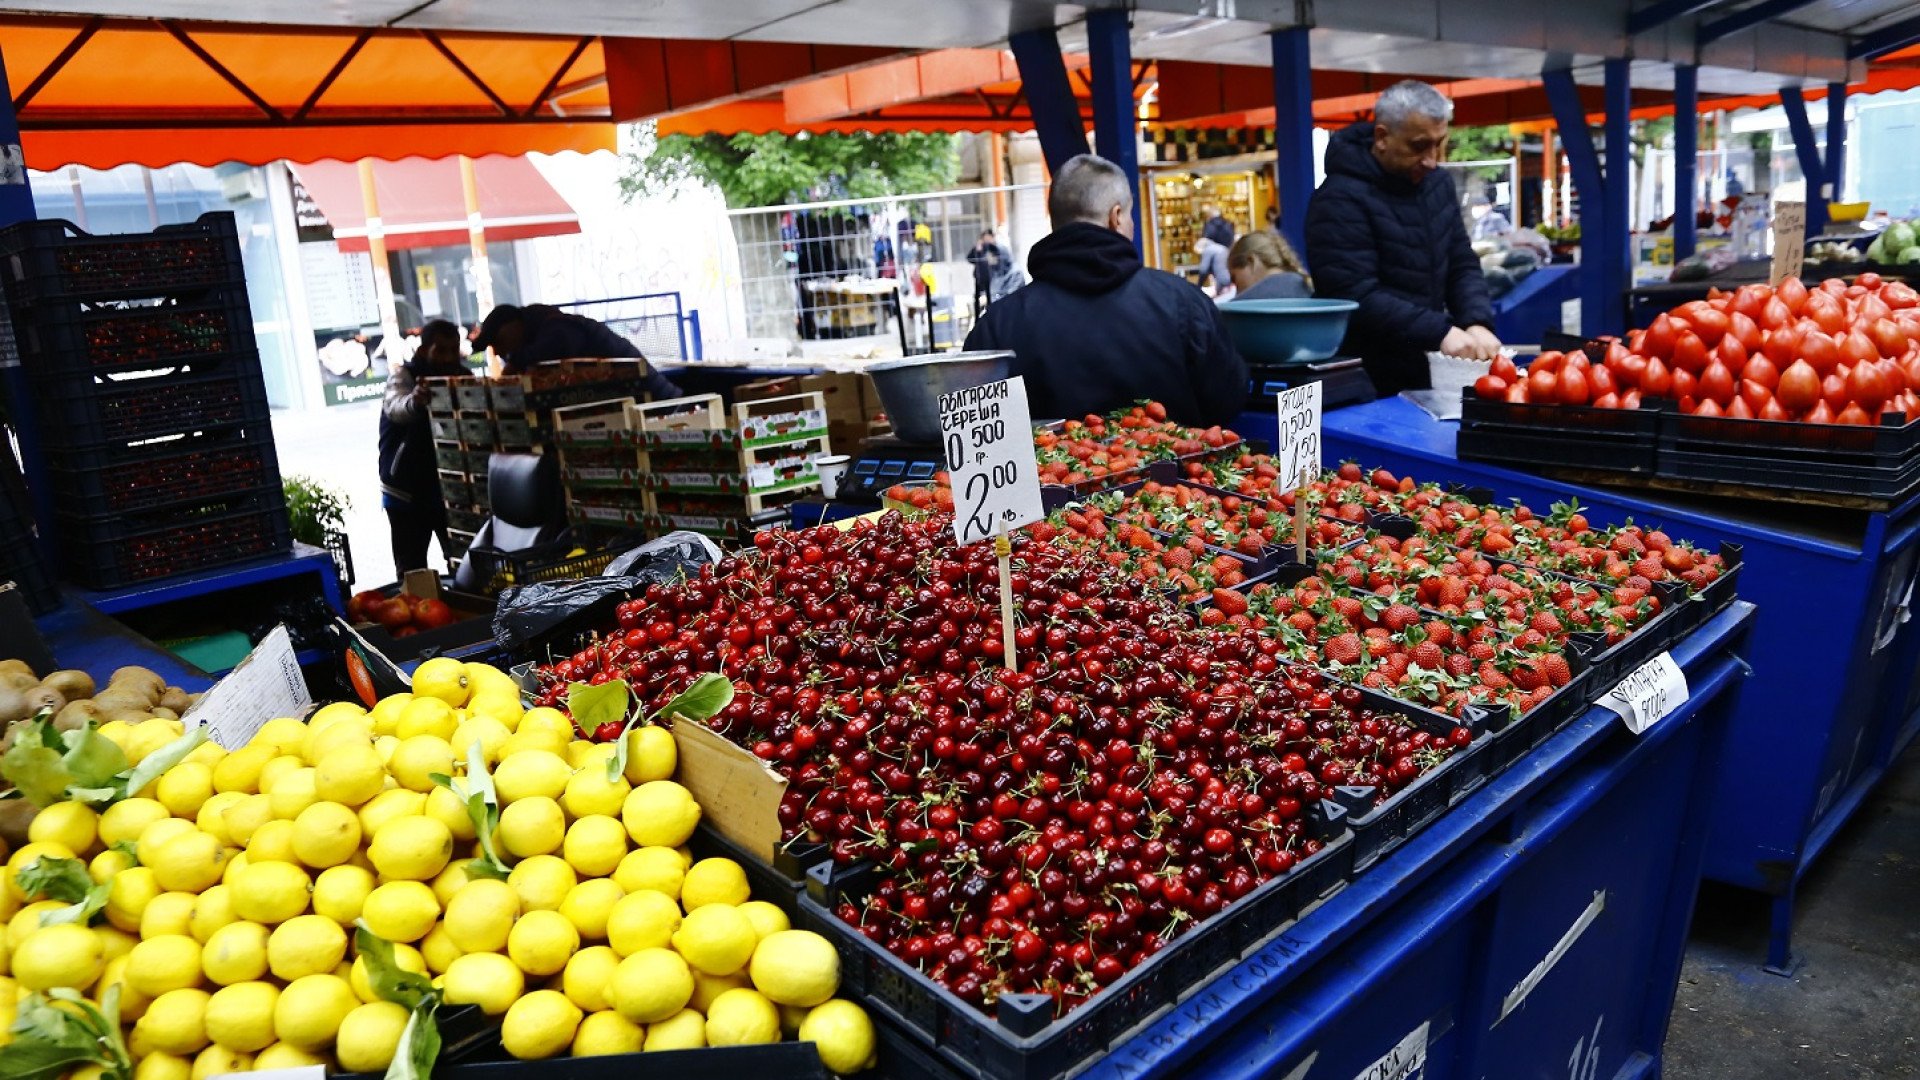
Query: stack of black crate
point(152, 411)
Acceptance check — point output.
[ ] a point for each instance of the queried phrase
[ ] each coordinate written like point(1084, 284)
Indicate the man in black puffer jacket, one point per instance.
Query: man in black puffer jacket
point(1096, 330)
point(1385, 230)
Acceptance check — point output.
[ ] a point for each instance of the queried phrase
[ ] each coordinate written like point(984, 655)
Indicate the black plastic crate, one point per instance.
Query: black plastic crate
point(1890, 483)
point(1022, 1040)
point(51, 260)
point(90, 410)
point(87, 338)
point(1570, 436)
point(107, 553)
point(1379, 829)
point(193, 475)
point(543, 562)
point(1880, 462)
point(797, 1060)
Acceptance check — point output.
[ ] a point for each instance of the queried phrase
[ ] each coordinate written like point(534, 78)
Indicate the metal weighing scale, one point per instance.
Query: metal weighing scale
point(1342, 381)
point(883, 462)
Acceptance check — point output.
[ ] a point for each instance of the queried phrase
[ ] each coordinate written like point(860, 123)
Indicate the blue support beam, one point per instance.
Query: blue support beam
point(1664, 12)
point(1617, 242)
point(1293, 130)
point(1746, 18)
point(1116, 134)
point(1050, 97)
point(1836, 139)
point(1812, 167)
point(1686, 158)
point(1885, 40)
point(1603, 232)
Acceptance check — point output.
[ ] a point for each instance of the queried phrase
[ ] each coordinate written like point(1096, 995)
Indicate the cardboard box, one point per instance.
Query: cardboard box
point(849, 397)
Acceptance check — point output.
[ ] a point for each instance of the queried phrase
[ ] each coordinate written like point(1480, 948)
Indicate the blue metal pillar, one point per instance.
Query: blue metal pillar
point(1619, 188)
point(1056, 112)
point(1794, 104)
point(1293, 130)
point(1836, 140)
point(1116, 134)
point(1571, 118)
point(16, 205)
point(1686, 158)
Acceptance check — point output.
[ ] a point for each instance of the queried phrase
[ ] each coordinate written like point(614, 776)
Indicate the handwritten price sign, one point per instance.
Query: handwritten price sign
point(1297, 450)
point(1649, 693)
point(988, 435)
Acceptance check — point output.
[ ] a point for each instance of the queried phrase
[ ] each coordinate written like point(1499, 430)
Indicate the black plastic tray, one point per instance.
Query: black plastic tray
point(89, 410)
point(782, 1060)
point(81, 338)
point(53, 260)
point(189, 476)
point(1571, 436)
point(107, 553)
point(1890, 483)
point(1378, 830)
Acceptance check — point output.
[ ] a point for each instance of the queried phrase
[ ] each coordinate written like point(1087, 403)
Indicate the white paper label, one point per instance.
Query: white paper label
point(1789, 239)
point(1297, 449)
point(988, 434)
point(1407, 1059)
point(267, 684)
point(1648, 693)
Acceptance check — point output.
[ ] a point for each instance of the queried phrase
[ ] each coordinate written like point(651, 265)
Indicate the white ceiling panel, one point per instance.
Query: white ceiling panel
point(296, 12)
point(623, 18)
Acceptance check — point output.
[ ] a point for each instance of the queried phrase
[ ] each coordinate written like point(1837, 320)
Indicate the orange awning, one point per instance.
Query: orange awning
point(421, 204)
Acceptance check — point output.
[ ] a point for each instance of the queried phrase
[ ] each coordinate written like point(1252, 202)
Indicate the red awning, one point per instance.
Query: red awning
point(421, 204)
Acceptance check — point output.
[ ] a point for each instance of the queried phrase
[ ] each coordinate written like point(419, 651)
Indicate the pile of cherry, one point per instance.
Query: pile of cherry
point(1038, 830)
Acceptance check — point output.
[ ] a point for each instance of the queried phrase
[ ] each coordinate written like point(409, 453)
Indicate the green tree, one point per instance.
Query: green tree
point(766, 170)
point(1479, 143)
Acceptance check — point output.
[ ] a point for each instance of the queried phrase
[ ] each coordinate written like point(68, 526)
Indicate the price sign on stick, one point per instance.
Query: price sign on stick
point(987, 436)
point(1789, 240)
point(1297, 452)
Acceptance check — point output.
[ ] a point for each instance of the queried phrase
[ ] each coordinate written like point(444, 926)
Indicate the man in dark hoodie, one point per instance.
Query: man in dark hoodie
point(1385, 230)
point(537, 333)
point(1096, 330)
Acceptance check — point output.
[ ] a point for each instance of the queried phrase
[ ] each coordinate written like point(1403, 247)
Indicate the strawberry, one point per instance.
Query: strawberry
point(1212, 616)
point(1459, 665)
point(1398, 617)
point(1230, 602)
point(1546, 622)
point(1343, 649)
point(1555, 667)
point(1453, 592)
point(1527, 677)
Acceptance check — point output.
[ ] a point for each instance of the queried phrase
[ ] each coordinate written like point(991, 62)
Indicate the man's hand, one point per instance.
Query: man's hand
point(1487, 341)
point(1460, 343)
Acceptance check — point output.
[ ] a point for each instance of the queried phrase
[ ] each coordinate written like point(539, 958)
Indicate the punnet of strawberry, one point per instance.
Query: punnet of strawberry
point(1843, 352)
point(1042, 829)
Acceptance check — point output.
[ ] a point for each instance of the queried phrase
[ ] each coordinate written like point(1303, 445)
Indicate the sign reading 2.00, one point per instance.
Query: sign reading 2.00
point(987, 432)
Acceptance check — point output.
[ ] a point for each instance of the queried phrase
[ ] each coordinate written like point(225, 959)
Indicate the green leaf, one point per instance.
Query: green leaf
point(483, 809)
point(388, 979)
point(161, 760)
point(50, 1042)
point(36, 772)
point(419, 1046)
point(92, 759)
point(593, 706)
point(64, 879)
point(701, 701)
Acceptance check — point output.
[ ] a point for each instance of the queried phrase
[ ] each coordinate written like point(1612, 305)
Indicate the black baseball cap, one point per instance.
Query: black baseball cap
point(500, 316)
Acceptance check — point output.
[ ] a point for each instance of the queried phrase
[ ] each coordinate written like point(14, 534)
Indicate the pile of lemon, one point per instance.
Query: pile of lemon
point(236, 879)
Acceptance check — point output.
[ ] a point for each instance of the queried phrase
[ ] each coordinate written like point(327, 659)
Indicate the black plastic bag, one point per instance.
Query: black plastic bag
point(530, 619)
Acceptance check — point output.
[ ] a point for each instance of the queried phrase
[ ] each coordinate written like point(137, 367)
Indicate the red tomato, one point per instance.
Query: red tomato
point(1869, 309)
point(1706, 408)
point(1656, 381)
point(1747, 331)
point(1761, 370)
point(1857, 348)
point(1910, 367)
point(1517, 393)
point(1774, 314)
point(1576, 361)
point(1799, 387)
point(1868, 280)
point(1888, 337)
point(1867, 388)
point(1710, 324)
point(1689, 352)
point(1782, 345)
point(1607, 401)
point(1602, 380)
point(1772, 411)
point(1749, 300)
point(1490, 387)
point(1502, 367)
point(1819, 351)
point(1542, 384)
point(1833, 390)
point(1819, 414)
point(1630, 369)
point(1659, 338)
point(1630, 399)
point(1899, 295)
point(1548, 361)
point(1754, 394)
point(1731, 353)
point(1574, 388)
point(1791, 293)
point(1738, 410)
point(1716, 382)
point(1822, 308)
point(1853, 414)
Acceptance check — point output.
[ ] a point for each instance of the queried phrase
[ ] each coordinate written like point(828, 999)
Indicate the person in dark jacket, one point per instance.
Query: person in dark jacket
point(988, 258)
point(409, 476)
point(1097, 330)
point(537, 333)
point(1385, 230)
point(1217, 228)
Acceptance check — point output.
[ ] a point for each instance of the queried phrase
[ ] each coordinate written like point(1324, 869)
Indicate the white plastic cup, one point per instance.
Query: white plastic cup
point(831, 468)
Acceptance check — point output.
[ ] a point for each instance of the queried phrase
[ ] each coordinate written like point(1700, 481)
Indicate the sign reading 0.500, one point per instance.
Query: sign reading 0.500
point(987, 433)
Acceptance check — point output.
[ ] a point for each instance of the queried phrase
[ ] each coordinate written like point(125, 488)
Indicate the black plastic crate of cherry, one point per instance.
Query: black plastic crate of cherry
point(119, 335)
point(190, 470)
point(112, 552)
point(90, 409)
point(52, 261)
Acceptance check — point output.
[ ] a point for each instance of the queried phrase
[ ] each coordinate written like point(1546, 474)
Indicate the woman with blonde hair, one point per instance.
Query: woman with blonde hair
point(1264, 267)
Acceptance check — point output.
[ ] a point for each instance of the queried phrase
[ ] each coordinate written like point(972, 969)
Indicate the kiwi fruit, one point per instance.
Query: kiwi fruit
point(161, 712)
point(18, 681)
point(122, 698)
point(178, 700)
point(73, 685)
point(13, 705)
point(76, 715)
point(15, 667)
point(44, 697)
point(138, 676)
point(15, 816)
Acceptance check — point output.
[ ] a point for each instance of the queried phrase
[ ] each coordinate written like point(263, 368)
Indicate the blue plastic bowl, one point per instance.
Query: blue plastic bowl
point(1292, 331)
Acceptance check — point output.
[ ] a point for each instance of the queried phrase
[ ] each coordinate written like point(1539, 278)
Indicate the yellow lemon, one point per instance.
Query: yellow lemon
point(446, 808)
point(405, 957)
point(305, 945)
point(660, 812)
point(580, 752)
point(449, 881)
point(350, 774)
point(240, 1017)
point(386, 714)
point(284, 734)
point(369, 1035)
point(191, 863)
point(684, 1030)
point(212, 815)
point(589, 792)
point(484, 731)
point(128, 818)
point(26, 922)
point(61, 955)
point(105, 865)
point(346, 731)
point(502, 709)
point(245, 817)
point(234, 954)
point(650, 986)
point(642, 920)
point(272, 842)
point(310, 1009)
point(218, 1061)
point(444, 678)
point(282, 1056)
point(176, 1023)
point(390, 805)
point(589, 905)
point(438, 950)
point(160, 964)
point(716, 939)
point(843, 1033)
point(484, 677)
point(531, 774)
point(532, 827)
point(539, 1025)
point(115, 942)
point(239, 772)
point(651, 754)
point(401, 910)
point(541, 942)
point(168, 913)
point(542, 882)
point(607, 1033)
point(326, 834)
point(234, 865)
point(411, 848)
point(128, 896)
point(416, 759)
point(28, 854)
point(325, 715)
point(534, 742)
point(656, 868)
point(481, 914)
point(340, 892)
point(707, 987)
point(385, 745)
point(488, 980)
point(766, 918)
point(293, 792)
point(595, 845)
point(72, 825)
point(426, 716)
point(586, 976)
point(796, 967)
point(160, 1066)
point(547, 723)
point(207, 753)
point(270, 893)
point(742, 1018)
point(183, 788)
point(714, 881)
point(272, 771)
point(212, 910)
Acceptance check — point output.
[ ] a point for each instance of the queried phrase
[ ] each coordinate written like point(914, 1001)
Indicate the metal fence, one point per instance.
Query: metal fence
point(656, 323)
point(832, 270)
